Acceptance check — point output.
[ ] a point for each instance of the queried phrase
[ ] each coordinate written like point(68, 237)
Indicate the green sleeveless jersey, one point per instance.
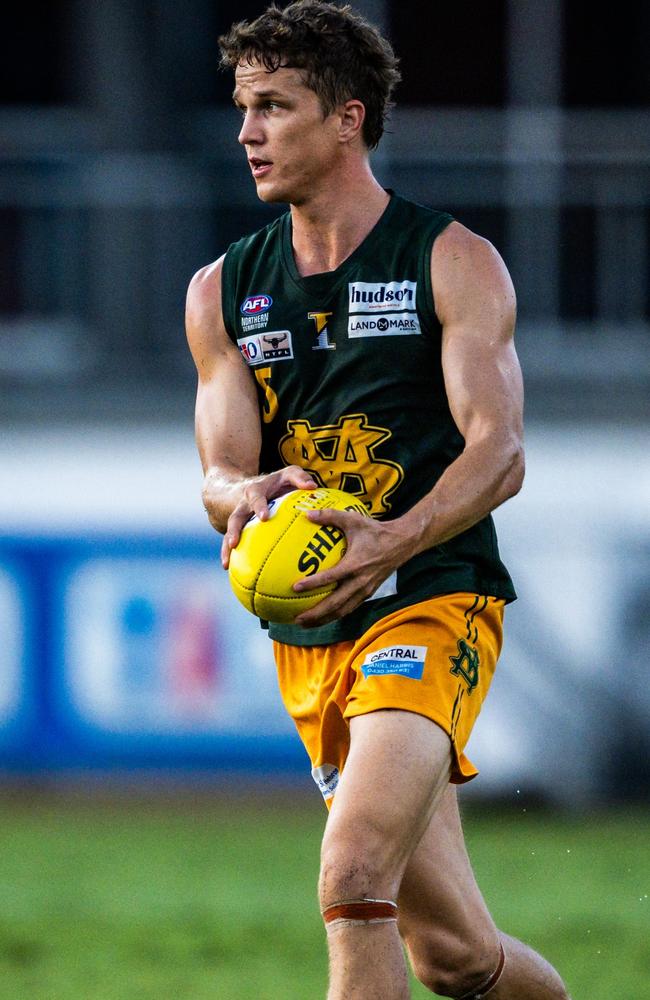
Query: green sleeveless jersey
point(348, 370)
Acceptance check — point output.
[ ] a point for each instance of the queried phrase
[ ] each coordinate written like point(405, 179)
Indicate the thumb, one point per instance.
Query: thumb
point(304, 479)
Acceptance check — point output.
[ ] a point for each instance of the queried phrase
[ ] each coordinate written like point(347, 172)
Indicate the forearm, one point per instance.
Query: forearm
point(224, 485)
point(469, 489)
point(228, 440)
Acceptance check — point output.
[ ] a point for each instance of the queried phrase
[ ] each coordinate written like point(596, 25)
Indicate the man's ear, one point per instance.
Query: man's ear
point(353, 115)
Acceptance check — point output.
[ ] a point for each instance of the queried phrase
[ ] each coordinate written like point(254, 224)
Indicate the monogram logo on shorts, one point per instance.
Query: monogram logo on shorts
point(466, 664)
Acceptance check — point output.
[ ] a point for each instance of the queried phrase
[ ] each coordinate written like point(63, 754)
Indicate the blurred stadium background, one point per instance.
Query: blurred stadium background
point(126, 667)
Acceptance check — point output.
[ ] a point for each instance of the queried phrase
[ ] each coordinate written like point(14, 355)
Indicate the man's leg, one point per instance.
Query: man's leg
point(453, 944)
point(397, 770)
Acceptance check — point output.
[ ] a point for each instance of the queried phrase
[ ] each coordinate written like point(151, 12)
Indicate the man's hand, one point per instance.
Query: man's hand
point(374, 550)
point(254, 495)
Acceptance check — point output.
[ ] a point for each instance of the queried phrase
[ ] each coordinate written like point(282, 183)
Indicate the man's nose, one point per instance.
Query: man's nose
point(251, 130)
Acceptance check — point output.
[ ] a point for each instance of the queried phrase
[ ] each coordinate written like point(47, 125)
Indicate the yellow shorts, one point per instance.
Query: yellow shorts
point(436, 658)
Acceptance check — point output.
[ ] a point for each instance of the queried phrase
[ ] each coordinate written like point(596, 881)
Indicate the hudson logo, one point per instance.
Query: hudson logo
point(382, 296)
point(253, 305)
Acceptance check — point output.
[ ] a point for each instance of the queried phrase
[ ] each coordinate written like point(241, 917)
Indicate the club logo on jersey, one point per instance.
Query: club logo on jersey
point(272, 346)
point(382, 308)
point(406, 661)
point(466, 664)
point(253, 305)
point(323, 342)
point(342, 456)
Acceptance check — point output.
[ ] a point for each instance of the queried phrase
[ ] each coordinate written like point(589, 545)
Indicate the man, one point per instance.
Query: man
point(365, 343)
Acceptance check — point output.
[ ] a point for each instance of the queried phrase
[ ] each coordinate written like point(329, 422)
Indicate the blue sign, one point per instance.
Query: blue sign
point(158, 644)
point(17, 629)
point(133, 653)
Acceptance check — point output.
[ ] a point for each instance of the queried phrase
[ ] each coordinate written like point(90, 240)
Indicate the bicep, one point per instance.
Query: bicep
point(483, 383)
point(227, 422)
point(476, 305)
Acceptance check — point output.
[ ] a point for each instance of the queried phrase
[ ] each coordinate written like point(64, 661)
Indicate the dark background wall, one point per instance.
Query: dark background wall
point(120, 175)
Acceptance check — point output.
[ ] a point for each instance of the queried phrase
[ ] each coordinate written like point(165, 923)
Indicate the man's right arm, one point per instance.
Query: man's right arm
point(228, 432)
point(226, 417)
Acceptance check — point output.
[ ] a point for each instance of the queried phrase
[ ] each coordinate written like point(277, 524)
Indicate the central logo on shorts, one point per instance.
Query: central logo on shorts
point(405, 661)
point(466, 664)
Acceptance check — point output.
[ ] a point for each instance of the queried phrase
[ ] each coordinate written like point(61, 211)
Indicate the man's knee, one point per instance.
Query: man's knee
point(452, 967)
point(356, 867)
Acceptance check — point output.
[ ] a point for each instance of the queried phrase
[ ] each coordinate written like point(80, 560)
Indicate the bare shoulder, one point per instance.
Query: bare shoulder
point(470, 278)
point(206, 332)
point(204, 293)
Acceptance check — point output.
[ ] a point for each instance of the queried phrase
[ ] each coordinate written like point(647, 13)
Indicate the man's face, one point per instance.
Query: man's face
point(288, 142)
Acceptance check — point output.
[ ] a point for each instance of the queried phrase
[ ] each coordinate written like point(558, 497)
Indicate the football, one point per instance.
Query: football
point(272, 555)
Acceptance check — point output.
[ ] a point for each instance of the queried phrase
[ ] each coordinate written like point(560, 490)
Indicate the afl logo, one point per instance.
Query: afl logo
point(256, 304)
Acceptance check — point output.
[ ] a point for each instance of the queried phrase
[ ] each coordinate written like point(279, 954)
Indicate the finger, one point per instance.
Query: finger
point(240, 515)
point(343, 519)
point(347, 596)
point(290, 478)
point(230, 540)
point(323, 579)
point(330, 608)
point(333, 612)
point(225, 552)
point(295, 478)
point(260, 507)
point(345, 593)
point(299, 478)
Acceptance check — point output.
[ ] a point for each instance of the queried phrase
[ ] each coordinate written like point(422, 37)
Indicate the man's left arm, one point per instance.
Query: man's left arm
point(475, 302)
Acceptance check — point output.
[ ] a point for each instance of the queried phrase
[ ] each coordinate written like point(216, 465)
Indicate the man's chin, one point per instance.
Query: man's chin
point(271, 193)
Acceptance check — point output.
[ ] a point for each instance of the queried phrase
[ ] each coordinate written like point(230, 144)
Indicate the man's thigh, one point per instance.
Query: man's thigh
point(441, 909)
point(397, 769)
point(435, 658)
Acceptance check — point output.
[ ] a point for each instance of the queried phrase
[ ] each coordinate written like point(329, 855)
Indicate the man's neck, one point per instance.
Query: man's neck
point(331, 226)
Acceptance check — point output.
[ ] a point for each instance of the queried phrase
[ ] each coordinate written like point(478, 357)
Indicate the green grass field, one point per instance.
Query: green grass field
point(215, 899)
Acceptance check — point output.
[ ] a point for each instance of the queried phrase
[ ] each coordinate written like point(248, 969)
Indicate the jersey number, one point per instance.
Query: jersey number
point(270, 408)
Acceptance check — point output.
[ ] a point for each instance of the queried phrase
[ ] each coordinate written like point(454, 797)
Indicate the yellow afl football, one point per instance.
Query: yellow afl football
point(272, 555)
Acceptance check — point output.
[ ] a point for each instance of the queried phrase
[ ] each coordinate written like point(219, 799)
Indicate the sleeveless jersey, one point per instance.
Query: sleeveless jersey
point(348, 370)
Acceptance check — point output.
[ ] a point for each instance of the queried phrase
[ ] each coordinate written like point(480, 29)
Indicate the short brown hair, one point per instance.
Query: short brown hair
point(344, 56)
